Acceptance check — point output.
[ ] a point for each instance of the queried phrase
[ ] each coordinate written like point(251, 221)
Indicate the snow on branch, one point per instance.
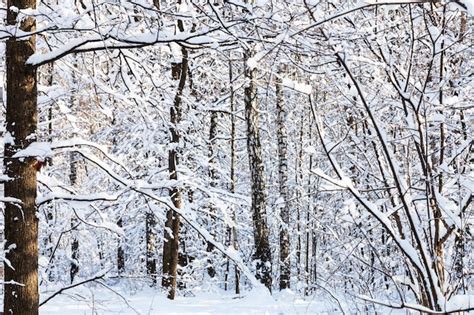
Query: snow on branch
point(112, 41)
point(138, 187)
point(103, 196)
point(39, 150)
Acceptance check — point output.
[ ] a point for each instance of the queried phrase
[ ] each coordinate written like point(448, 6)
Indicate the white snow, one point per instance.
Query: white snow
point(252, 62)
point(93, 298)
point(40, 150)
point(469, 6)
point(297, 86)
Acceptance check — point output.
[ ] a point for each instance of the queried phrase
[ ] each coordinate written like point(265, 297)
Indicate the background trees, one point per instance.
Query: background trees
point(319, 145)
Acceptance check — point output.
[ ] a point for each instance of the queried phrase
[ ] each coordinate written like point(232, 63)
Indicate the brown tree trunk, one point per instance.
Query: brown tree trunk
point(179, 72)
point(171, 245)
point(257, 174)
point(21, 295)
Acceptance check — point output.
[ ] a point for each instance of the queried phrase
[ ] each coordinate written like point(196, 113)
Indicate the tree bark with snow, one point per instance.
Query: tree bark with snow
point(21, 295)
point(262, 253)
point(172, 224)
point(285, 262)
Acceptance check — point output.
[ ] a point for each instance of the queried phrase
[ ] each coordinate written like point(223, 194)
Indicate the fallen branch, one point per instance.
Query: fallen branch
point(71, 287)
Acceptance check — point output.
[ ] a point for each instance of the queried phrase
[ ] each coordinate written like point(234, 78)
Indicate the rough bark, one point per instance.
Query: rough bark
point(262, 253)
point(21, 295)
point(75, 242)
point(213, 178)
point(151, 246)
point(285, 263)
point(460, 237)
point(73, 159)
point(171, 245)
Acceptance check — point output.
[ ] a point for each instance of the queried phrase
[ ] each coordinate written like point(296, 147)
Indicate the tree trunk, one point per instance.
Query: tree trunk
point(299, 182)
point(150, 246)
point(21, 295)
point(120, 252)
point(233, 157)
point(151, 241)
point(73, 160)
point(171, 246)
point(285, 263)
point(213, 178)
point(262, 247)
point(309, 210)
point(75, 242)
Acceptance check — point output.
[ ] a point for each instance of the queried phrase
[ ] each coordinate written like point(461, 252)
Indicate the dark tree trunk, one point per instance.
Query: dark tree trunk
point(151, 246)
point(232, 232)
point(213, 178)
point(171, 245)
point(299, 184)
point(120, 252)
point(262, 247)
point(73, 160)
point(21, 296)
point(285, 263)
point(74, 255)
point(75, 242)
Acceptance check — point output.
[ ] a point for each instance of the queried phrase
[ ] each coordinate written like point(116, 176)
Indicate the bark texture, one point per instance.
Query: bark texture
point(21, 295)
point(171, 245)
point(285, 263)
point(73, 176)
point(151, 246)
point(262, 254)
point(213, 182)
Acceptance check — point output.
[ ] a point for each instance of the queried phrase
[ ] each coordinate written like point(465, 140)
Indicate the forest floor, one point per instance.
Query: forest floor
point(133, 298)
point(148, 301)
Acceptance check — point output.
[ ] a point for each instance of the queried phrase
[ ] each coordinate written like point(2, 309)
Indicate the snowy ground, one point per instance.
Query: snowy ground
point(149, 301)
point(123, 299)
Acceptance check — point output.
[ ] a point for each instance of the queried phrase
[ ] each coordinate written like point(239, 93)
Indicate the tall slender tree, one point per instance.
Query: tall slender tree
point(262, 255)
point(285, 262)
point(172, 224)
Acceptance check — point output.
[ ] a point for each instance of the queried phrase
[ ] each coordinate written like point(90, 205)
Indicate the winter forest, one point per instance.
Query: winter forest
point(237, 157)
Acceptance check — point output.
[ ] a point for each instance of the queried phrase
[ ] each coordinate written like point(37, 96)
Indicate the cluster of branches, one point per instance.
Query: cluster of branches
point(186, 141)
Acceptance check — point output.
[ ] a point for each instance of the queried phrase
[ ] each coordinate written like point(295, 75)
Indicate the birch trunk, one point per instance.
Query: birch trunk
point(257, 174)
point(213, 179)
point(285, 263)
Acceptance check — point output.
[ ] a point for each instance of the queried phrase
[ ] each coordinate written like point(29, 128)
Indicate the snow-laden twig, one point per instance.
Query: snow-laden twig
point(102, 275)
